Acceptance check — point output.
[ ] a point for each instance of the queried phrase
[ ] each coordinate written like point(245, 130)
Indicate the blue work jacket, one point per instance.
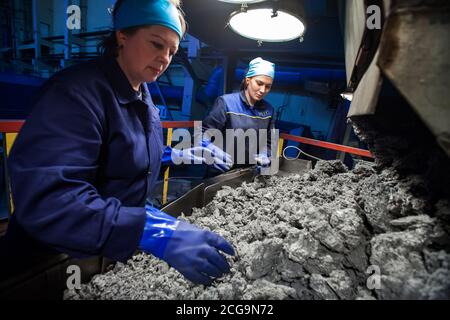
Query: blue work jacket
point(232, 111)
point(85, 161)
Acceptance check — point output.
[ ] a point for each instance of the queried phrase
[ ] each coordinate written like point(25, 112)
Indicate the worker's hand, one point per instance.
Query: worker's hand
point(186, 156)
point(222, 160)
point(198, 155)
point(262, 161)
point(194, 252)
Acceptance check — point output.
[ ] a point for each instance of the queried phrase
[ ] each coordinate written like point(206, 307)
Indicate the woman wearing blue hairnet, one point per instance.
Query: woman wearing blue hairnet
point(89, 155)
point(246, 110)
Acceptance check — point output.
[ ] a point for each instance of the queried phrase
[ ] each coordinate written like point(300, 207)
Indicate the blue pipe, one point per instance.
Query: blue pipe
point(214, 87)
point(283, 76)
point(298, 76)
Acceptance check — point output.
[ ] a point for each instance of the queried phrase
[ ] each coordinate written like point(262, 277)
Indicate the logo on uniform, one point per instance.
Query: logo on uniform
point(264, 114)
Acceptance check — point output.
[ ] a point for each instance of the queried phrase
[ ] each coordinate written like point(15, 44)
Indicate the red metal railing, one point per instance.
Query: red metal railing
point(328, 145)
point(15, 126)
point(11, 126)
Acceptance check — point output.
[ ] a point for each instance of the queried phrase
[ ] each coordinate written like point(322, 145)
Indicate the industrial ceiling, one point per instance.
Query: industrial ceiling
point(323, 44)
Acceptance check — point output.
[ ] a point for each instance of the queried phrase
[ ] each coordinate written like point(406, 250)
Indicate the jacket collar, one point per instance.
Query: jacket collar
point(122, 88)
point(257, 105)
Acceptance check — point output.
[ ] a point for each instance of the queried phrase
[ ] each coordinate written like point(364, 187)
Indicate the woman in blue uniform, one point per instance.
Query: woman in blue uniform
point(246, 110)
point(89, 155)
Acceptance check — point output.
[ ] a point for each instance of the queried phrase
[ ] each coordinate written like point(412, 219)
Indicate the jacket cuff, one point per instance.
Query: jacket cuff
point(126, 233)
point(166, 159)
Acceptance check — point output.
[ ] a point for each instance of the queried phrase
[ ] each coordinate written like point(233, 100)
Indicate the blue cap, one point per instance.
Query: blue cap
point(134, 13)
point(260, 67)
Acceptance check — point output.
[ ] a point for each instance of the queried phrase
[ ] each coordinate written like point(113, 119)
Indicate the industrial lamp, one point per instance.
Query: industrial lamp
point(242, 1)
point(348, 95)
point(271, 21)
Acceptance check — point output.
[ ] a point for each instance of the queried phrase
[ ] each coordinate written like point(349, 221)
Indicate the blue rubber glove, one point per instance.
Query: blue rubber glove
point(197, 155)
point(222, 160)
point(262, 161)
point(192, 251)
point(186, 156)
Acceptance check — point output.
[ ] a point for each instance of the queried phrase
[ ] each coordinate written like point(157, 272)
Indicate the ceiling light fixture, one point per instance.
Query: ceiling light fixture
point(347, 96)
point(269, 22)
point(242, 1)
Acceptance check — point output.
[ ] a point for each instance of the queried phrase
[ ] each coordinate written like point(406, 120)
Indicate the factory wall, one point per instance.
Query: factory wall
point(97, 19)
point(24, 21)
point(299, 95)
point(46, 17)
point(312, 111)
point(295, 108)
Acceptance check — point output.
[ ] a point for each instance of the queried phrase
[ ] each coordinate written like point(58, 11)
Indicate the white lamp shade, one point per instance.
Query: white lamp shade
point(347, 96)
point(258, 24)
point(242, 1)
